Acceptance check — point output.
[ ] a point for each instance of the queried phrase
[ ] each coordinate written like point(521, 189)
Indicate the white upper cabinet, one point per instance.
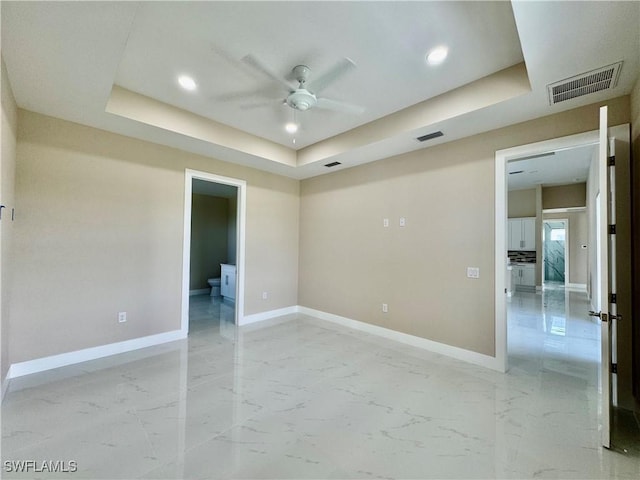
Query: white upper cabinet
point(522, 233)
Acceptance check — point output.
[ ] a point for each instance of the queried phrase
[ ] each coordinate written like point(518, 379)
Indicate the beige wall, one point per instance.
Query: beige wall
point(7, 198)
point(521, 203)
point(564, 196)
point(350, 264)
point(209, 238)
point(578, 236)
point(100, 231)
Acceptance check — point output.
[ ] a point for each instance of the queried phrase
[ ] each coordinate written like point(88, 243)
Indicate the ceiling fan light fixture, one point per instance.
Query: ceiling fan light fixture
point(437, 55)
point(187, 82)
point(291, 127)
point(302, 99)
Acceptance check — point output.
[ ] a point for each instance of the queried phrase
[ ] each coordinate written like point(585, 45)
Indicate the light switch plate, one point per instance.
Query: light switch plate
point(403, 221)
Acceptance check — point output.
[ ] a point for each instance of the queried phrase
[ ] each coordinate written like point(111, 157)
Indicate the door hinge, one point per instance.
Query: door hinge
point(614, 368)
point(613, 298)
point(612, 161)
point(612, 229)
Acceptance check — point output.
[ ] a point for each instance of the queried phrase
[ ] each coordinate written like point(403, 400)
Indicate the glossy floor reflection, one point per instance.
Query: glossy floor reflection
point(297, 397)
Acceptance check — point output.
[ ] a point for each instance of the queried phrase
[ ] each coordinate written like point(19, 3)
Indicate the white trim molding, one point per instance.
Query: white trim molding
point(576, 287)
point(5, 386)
point(419, 342)
point(259, 317)
point(93, 353)
point(200, 291)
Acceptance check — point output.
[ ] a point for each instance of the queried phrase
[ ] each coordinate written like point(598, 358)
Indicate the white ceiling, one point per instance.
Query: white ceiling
point(64, 59)
point(556, 168)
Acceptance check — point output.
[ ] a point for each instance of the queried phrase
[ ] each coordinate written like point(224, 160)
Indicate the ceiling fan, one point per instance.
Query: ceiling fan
point(305, 96)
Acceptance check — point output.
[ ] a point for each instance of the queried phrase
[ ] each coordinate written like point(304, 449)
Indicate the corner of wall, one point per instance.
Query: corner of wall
point(7, 198)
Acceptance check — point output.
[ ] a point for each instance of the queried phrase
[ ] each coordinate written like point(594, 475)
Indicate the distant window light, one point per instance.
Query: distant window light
point(558, 235)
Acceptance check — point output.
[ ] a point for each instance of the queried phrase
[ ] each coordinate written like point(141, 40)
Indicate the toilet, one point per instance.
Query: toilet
point(214, 283)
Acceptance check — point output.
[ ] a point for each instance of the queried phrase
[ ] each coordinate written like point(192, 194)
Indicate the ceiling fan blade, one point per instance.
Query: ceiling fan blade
point(256, 64)
point(337, 106)
point(341, 68)
point(231, 96)
point(253, 106)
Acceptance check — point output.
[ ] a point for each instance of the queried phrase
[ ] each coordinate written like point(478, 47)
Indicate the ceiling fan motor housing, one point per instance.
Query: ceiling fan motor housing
point(301, 99)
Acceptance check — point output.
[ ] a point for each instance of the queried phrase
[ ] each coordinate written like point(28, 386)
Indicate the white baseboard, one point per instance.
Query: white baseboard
point(419, 342)
point(259, 317)
point(93, 353)
point(201, 291)
point(578, 287)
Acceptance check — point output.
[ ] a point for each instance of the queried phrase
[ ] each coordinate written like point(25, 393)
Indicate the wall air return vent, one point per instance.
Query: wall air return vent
point(429, 136)
point(332, 164)
point(604, 78)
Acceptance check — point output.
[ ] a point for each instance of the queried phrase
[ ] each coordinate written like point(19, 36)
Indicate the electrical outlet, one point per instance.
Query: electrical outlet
point(385, 308)
point(264, 295)
point(403, 221)
point(122, 317)
point(473, 272)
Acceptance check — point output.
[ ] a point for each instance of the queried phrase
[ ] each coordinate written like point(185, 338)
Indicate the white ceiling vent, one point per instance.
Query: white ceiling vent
point(603, 78)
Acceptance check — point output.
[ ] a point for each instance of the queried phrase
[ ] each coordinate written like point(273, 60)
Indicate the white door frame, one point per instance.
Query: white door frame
point(189, 176)
point(565, 222)
point(501, 159)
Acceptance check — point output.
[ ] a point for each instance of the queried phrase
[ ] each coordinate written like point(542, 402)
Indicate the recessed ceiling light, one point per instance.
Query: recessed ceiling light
point(187, 82)
point(437, 55)
point(291, 127)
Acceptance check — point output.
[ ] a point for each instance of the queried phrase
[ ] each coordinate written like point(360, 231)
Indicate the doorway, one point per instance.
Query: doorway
point(211, 185)
point(555, 255)
point(503, 157)
point(599, 233)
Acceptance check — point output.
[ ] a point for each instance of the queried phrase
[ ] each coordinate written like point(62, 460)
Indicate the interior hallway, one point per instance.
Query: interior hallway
point(298, 397)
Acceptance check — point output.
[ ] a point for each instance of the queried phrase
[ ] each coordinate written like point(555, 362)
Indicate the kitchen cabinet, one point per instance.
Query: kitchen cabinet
point(228, 281)
point(524, 277)
point(522, 233)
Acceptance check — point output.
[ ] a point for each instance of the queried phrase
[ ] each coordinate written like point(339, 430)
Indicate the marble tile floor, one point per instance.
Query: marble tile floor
point(297, 397)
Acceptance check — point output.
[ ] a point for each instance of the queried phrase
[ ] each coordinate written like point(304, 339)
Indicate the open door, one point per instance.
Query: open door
point(606, 285)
